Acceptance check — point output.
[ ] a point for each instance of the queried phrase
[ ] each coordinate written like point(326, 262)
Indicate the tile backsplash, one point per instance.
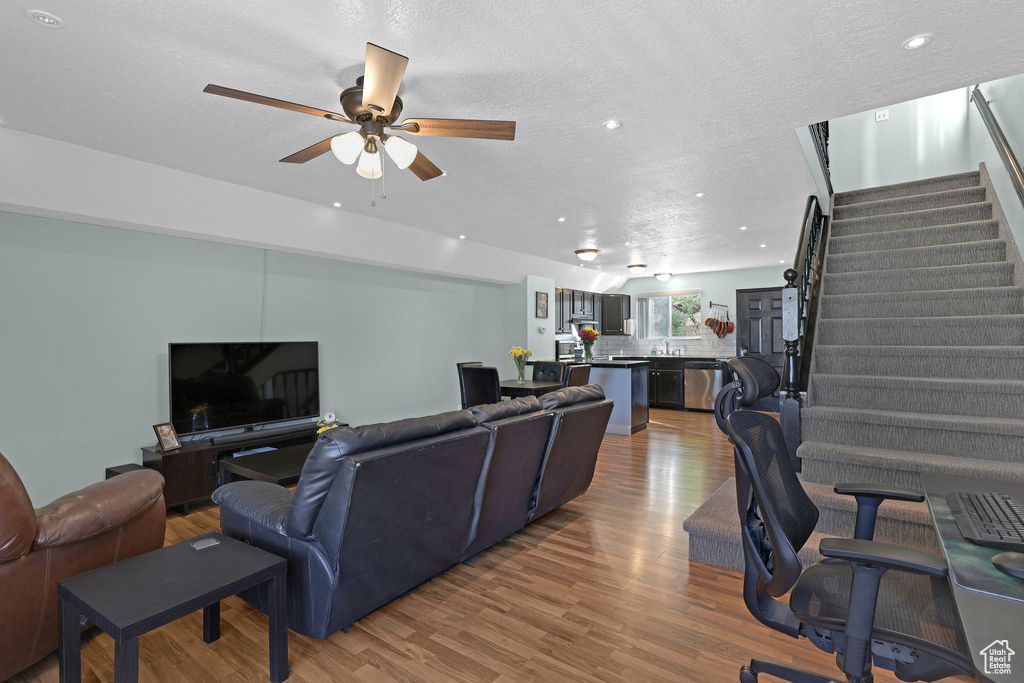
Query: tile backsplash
point(708, 346)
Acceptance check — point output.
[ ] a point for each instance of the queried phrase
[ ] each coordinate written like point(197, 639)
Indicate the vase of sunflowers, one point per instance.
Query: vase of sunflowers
point(520, 356)
point(588, 335)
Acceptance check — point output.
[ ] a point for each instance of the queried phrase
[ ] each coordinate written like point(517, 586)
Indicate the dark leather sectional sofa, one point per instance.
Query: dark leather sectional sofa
point(382, 508)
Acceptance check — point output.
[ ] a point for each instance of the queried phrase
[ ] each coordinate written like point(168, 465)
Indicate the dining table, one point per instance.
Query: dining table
point(512, 387)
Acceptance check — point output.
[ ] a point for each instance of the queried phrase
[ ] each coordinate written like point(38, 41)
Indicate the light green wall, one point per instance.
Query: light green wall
point(88, 312)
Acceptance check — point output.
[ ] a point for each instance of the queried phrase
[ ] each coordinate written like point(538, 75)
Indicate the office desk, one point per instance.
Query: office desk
point(987, 617)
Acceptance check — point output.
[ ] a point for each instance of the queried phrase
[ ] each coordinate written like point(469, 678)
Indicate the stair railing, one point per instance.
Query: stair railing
point(799, 318)
point(1002, 145)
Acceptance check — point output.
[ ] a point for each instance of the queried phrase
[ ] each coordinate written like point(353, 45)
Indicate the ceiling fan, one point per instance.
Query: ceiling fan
point(373, 105)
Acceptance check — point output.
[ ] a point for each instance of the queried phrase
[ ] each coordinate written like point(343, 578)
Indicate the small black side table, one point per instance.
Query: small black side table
point(145, 592)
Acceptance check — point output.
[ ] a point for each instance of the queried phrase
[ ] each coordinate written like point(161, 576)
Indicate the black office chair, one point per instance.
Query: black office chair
point(866, 601)
point(577, 375)
point(479, 384)
point(548, 372)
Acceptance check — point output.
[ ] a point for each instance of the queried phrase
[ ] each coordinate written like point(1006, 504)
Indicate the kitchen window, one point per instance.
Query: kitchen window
point(672, 315)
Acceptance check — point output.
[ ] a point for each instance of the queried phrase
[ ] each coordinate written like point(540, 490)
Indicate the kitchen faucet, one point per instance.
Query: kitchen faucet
point(666, 347)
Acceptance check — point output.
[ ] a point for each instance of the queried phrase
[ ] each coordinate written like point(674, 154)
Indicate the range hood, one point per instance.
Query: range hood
point(582, 320)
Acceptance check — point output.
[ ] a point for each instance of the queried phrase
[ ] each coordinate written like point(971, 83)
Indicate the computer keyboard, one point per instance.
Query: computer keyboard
point(991, 519)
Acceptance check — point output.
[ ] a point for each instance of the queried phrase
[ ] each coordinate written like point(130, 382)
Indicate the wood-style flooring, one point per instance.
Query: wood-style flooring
point(598, 590)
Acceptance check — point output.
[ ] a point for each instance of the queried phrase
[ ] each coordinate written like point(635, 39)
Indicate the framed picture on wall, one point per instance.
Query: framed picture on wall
point(542, 304)
point(167, 437)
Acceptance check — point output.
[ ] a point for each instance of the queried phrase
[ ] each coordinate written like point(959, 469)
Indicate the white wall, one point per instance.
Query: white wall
point(88, 312)
point(922, 139)
point(718, 286)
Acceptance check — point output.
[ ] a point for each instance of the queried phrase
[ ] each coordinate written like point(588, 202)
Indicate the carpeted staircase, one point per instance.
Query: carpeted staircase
point(918, 361)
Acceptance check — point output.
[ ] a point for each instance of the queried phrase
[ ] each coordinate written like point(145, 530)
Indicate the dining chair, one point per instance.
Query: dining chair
point(548, 372)
point(577, 375)
point(479, 384)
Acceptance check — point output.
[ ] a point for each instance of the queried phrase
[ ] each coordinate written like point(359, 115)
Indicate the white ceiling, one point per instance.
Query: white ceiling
point(709, 94)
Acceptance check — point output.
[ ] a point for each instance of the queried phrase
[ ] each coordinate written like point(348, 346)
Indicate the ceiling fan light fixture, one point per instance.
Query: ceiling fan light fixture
point(587, 254)
point(637, 268)
point(402, 152)
point(347, 147)
point(662, 276)
point(369, 165)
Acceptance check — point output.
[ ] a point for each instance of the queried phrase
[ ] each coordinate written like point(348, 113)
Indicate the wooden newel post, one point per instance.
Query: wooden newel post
point(791, 333)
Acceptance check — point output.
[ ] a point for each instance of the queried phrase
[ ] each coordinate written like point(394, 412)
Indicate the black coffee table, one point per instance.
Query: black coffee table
point(145, 592)
point(280, 466)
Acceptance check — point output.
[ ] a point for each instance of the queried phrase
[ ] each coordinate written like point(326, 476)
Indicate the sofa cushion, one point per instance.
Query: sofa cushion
point(489, 412)
point(334, 445)
point(570, 396)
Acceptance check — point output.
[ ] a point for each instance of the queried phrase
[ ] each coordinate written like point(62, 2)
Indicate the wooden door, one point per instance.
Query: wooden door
point(759, 329)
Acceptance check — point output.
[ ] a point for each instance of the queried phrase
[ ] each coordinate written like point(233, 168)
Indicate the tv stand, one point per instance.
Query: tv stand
point(191, 472)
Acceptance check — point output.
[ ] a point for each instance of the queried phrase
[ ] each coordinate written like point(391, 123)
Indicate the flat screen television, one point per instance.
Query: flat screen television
point(220, 386)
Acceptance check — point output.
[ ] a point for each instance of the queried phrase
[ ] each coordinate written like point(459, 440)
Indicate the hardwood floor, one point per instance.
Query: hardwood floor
point(598, 590)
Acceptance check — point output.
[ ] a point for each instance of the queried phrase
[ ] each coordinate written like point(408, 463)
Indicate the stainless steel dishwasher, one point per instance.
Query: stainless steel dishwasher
point(704, 380)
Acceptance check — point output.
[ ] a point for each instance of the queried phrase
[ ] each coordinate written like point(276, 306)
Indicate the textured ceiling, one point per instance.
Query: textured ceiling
point(709, 94)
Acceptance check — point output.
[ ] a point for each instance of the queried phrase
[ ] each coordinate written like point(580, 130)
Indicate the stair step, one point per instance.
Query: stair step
point(980, 398)
point(871, 194)
point(915, 237)
point(920, 279)
point(965, 213)
point(986, 251)
point(714, 532)
point(981, 362)
point(910, 203)
point(959, 302)
point(982, 330)
point(826, 463)
point(981, 438)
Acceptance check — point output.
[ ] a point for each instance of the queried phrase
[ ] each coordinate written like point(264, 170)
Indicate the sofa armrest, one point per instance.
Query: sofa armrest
point(260, 502)
point(98, 509)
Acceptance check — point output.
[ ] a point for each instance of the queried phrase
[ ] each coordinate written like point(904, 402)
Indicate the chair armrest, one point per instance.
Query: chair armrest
point(883, 555)
point(879, 491)
point(261, 502)
point(98, 509)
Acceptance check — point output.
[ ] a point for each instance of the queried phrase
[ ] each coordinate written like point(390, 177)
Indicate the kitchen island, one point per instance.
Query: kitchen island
point(625, 382)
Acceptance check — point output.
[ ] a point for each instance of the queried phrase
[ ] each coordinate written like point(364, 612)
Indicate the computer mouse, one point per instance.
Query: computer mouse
point(1010, 563)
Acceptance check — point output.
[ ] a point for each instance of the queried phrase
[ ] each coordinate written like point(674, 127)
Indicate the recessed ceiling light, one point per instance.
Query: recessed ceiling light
point(763, 246)
point(698, 194)
point(462, 237)
point(561, 219)
point(612, 124)
point(917, 41)
point(627, 244)
point(337, 204)
point(587, 254)
point(45, 18)
point(663, 276)
point(782, 260)
point(743, 227)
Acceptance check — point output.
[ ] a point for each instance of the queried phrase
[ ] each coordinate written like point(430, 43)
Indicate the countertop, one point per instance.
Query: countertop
point(598, 363)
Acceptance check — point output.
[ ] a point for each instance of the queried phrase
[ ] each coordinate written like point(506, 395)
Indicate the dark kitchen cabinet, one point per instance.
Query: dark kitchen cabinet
point(583, 304)
point(666, 383)
point(614, 312)
point(563, 309)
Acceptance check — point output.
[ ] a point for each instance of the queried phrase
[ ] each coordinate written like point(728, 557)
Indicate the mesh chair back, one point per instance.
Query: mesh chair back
point(759, 379)
point(577, 375)
point(479, 385)
point(779, 517)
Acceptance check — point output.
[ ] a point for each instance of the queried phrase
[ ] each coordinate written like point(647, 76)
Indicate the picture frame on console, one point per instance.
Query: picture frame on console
point(542, 304)
point(167, 437)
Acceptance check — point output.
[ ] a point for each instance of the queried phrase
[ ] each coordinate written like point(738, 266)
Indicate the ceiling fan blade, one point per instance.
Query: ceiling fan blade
point(381, 78)
point(311, 152)
point(424, 168)
point(463, 128)
point(271, 102)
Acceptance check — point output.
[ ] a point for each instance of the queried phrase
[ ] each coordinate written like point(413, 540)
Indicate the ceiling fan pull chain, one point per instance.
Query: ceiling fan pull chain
point(383, 192)
point(373, 202)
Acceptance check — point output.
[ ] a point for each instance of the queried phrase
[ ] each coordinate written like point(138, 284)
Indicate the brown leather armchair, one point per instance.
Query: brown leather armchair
point(96, 526)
